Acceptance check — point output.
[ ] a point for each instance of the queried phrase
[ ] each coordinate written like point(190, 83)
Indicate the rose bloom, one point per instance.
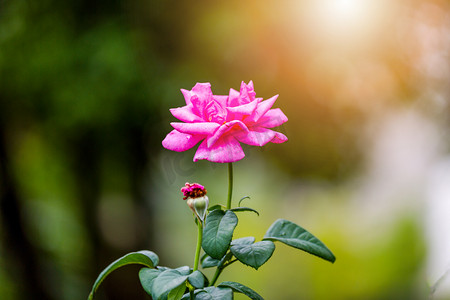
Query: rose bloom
point(223, 122)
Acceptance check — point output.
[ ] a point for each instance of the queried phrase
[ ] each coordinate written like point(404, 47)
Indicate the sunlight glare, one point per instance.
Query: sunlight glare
point(344, 17)
point(346, 9)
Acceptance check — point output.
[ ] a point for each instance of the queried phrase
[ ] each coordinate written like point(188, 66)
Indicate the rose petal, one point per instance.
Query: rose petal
point(214, 112)
point(178, 141)
point(233, 98)
point(262, 108)
point(257, 136)
point(272, 118)
point(235, 125)
point(202, 90)
point(202, 128)
point(224, 151)
point(201, 96)
point(279, 138)
point(239, 112)
point(187, 96)
point(185, 114)
point(222, 100)
point(247, 93)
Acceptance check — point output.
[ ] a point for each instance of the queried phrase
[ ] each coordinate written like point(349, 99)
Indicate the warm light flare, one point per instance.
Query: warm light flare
point(346, 9)
point(344, 18)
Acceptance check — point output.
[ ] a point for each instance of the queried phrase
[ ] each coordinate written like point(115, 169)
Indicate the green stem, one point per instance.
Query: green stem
point(219, 270)
point(230, 184)
point(199, 244)
point(216, 275)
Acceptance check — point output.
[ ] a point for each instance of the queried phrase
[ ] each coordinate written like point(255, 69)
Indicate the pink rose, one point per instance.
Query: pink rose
point(221, 122)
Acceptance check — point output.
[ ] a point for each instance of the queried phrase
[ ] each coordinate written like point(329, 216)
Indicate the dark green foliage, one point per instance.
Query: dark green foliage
point(253, 255)
point(238, 209)
point(146, 276)
point(197, 279)
point(243, 241)
point(209, 262)
point(145, 258)
point(240, 288)
point(212, 293)
point(163, 283)
point(295, 236)
point(177, 293)
point(218, 231)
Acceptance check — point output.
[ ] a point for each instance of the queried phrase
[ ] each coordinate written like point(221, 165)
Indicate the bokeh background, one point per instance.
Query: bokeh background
point(85, 88)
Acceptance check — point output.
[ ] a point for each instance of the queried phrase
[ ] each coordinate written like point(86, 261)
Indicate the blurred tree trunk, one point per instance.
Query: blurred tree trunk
point(21, 256)
point(85, 156)
point(139, 154)
point(87, 149)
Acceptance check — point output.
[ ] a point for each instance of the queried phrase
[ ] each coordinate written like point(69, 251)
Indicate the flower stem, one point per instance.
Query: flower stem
point(216, 276)
point(230, 184)
point(199, 244)
point(219, 270)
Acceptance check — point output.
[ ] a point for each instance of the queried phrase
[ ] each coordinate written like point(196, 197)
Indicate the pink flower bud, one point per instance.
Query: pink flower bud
point(198, 202)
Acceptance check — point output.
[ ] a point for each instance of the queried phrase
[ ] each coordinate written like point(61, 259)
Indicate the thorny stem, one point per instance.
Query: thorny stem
point(230, 184)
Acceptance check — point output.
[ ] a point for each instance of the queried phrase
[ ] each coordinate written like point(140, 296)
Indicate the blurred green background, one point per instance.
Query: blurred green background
point(85, 88)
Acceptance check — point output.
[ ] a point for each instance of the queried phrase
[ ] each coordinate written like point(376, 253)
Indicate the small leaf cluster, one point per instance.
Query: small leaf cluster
point(221, 250)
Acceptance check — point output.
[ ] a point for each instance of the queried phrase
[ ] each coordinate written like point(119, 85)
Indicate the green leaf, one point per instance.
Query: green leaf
point(215, 207)
point(227, 257)
point(238, 209)
point(240, 288)
point(253, 255)
point(218, 231)
point(197, 279)
point(144, 257)
point(295, 236)
point(184, 270)
point(214, 293)
point(209, 262)
point(243, 241)
point(186, 297)
point(146, 277)
point(177, 293)
point(165, 282)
